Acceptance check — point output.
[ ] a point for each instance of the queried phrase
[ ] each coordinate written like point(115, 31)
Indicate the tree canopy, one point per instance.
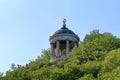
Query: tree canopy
point(96, 58)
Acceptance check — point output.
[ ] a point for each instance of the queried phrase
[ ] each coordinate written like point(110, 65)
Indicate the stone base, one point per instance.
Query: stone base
point(57, 59)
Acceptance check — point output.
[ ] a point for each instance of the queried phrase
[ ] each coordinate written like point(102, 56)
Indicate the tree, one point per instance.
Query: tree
point(96, 58)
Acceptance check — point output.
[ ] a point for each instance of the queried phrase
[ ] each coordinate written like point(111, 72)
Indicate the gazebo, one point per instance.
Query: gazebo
point(62, 42)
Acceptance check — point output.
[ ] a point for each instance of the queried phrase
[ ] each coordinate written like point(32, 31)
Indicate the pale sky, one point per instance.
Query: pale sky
point(25, 25)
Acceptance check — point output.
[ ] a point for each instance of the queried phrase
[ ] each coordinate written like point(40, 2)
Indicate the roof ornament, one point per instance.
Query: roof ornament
point(64, 21)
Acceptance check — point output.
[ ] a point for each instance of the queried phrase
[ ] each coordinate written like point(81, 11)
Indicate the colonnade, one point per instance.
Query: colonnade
point(58, 51)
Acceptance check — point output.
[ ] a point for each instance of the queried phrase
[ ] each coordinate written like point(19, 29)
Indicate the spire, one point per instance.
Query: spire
point(64, 21)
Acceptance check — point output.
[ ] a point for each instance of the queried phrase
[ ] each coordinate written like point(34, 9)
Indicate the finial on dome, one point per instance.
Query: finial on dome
point(64, 21)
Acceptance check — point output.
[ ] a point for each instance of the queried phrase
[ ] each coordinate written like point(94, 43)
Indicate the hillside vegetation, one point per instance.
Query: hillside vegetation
point(96, 58)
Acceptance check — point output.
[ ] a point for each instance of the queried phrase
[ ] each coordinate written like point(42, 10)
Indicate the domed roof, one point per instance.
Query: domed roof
point(64, 29)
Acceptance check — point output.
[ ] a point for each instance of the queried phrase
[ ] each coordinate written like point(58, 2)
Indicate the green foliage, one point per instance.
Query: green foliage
point(92, 36)
point(87, 77)
point(112, 60)
point(13, 67)
point(96, 58)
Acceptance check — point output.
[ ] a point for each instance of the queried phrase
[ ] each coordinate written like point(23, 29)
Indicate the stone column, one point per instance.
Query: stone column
point(52, 51)
point(58, 48)
point(67, 47)
point(75, 44)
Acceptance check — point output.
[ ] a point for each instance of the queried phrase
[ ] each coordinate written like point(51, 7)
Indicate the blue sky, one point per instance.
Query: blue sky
point(25, 25)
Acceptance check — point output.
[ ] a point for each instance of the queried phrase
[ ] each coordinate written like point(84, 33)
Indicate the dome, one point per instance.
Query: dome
point(64, 30)
point(63, 34)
